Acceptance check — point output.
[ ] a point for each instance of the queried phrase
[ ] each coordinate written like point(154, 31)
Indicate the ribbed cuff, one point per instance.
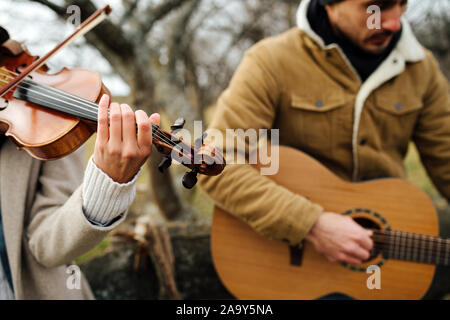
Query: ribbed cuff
point(103, 198)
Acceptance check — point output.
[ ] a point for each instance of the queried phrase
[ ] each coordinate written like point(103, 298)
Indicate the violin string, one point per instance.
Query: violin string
point(90, 112)
point(89, 108)
point(157, 132)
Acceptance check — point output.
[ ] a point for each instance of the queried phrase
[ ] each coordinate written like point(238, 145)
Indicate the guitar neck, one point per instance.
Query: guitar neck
point(412, 247)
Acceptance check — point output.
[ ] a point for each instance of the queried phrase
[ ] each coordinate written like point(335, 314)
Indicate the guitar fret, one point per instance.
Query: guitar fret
point(447, 242)
point(430, 253)
point(389, 250)
point(404, 248)
point(401, 248)
point(416, 241)
point(438, 245)
point(410, 247)
point(394, 253)
point(422, 251)
point(416, 247)
point(407, 247)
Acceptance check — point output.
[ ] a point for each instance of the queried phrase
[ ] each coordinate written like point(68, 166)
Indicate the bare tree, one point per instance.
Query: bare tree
point(431, 23)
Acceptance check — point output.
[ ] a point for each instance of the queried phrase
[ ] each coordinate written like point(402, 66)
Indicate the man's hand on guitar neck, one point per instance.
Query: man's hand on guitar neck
point(340, 239)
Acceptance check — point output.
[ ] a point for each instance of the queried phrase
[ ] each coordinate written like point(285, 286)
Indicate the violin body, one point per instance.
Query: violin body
point(43, 133)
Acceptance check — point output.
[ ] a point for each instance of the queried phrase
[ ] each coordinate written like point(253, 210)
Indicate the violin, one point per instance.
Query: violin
point(52, 115)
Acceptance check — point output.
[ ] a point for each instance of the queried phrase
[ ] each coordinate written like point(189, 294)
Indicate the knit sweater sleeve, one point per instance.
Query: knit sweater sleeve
point(105, 200)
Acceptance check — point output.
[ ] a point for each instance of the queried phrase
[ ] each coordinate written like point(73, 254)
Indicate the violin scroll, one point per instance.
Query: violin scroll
point(201, 158)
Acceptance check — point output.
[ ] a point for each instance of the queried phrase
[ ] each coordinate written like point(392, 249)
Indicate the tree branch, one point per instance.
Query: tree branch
point(157, 13)
point(61, 11)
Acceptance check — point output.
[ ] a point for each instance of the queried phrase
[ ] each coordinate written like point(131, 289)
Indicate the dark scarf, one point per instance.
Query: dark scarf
point(365, 63)
point(3, 35)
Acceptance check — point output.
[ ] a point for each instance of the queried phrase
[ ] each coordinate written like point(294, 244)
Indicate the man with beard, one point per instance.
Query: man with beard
point(349, 95)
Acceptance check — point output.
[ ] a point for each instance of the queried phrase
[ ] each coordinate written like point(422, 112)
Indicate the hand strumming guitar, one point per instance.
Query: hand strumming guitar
point(340, 239)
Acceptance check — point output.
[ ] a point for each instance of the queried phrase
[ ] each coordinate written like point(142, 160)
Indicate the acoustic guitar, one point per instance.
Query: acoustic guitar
point(406, 243)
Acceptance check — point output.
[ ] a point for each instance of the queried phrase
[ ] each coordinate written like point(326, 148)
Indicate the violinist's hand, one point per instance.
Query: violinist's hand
point(119, 150)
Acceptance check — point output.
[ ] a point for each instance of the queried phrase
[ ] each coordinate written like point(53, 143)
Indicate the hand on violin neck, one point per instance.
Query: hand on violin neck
point(119, 150)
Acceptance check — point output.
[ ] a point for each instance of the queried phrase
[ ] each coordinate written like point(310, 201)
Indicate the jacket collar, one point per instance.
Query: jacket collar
point(408, 46)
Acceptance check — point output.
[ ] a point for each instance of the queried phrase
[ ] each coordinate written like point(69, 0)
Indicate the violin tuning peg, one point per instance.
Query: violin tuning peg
point(179, 124)
point(165, 163)
point(199, 142)
point(190, 179)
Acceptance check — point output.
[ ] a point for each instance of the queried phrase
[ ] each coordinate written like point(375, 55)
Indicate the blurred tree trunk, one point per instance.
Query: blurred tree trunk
point(131, 57)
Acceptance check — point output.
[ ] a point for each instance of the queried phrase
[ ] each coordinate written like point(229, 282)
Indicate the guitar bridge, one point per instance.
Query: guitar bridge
point(296, 255)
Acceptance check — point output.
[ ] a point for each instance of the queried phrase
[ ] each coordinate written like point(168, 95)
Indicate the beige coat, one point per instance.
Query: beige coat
point(294, 83)
point(44, 225)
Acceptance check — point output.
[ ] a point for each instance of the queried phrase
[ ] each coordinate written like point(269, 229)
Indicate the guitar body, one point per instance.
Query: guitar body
point(253, 267)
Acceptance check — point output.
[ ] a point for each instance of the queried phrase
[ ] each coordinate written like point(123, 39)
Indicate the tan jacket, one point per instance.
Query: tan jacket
point(44, 225)
point(358, 130)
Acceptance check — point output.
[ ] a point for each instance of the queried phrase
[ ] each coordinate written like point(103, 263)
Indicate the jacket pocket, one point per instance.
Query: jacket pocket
point(322, 104)
point(317, 123)
point(395, 115)
point(398, 105)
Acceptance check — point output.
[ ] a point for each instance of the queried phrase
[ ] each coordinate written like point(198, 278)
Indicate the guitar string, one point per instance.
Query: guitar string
point(431, 256)
point(420, 243)
point(160, 135)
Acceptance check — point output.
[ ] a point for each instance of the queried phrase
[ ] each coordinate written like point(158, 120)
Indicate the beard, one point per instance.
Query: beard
point(370, 40)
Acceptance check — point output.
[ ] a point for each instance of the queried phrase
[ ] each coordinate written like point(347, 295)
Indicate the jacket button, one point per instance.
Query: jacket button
point(399, 106)
point(319, 104)
point(329, 55)
point(363, 142)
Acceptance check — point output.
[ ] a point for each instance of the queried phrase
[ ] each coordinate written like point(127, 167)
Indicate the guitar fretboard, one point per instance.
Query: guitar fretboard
point(412, 247)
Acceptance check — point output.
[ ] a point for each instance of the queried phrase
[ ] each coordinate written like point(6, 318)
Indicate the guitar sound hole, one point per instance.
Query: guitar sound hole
point(367, 223)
